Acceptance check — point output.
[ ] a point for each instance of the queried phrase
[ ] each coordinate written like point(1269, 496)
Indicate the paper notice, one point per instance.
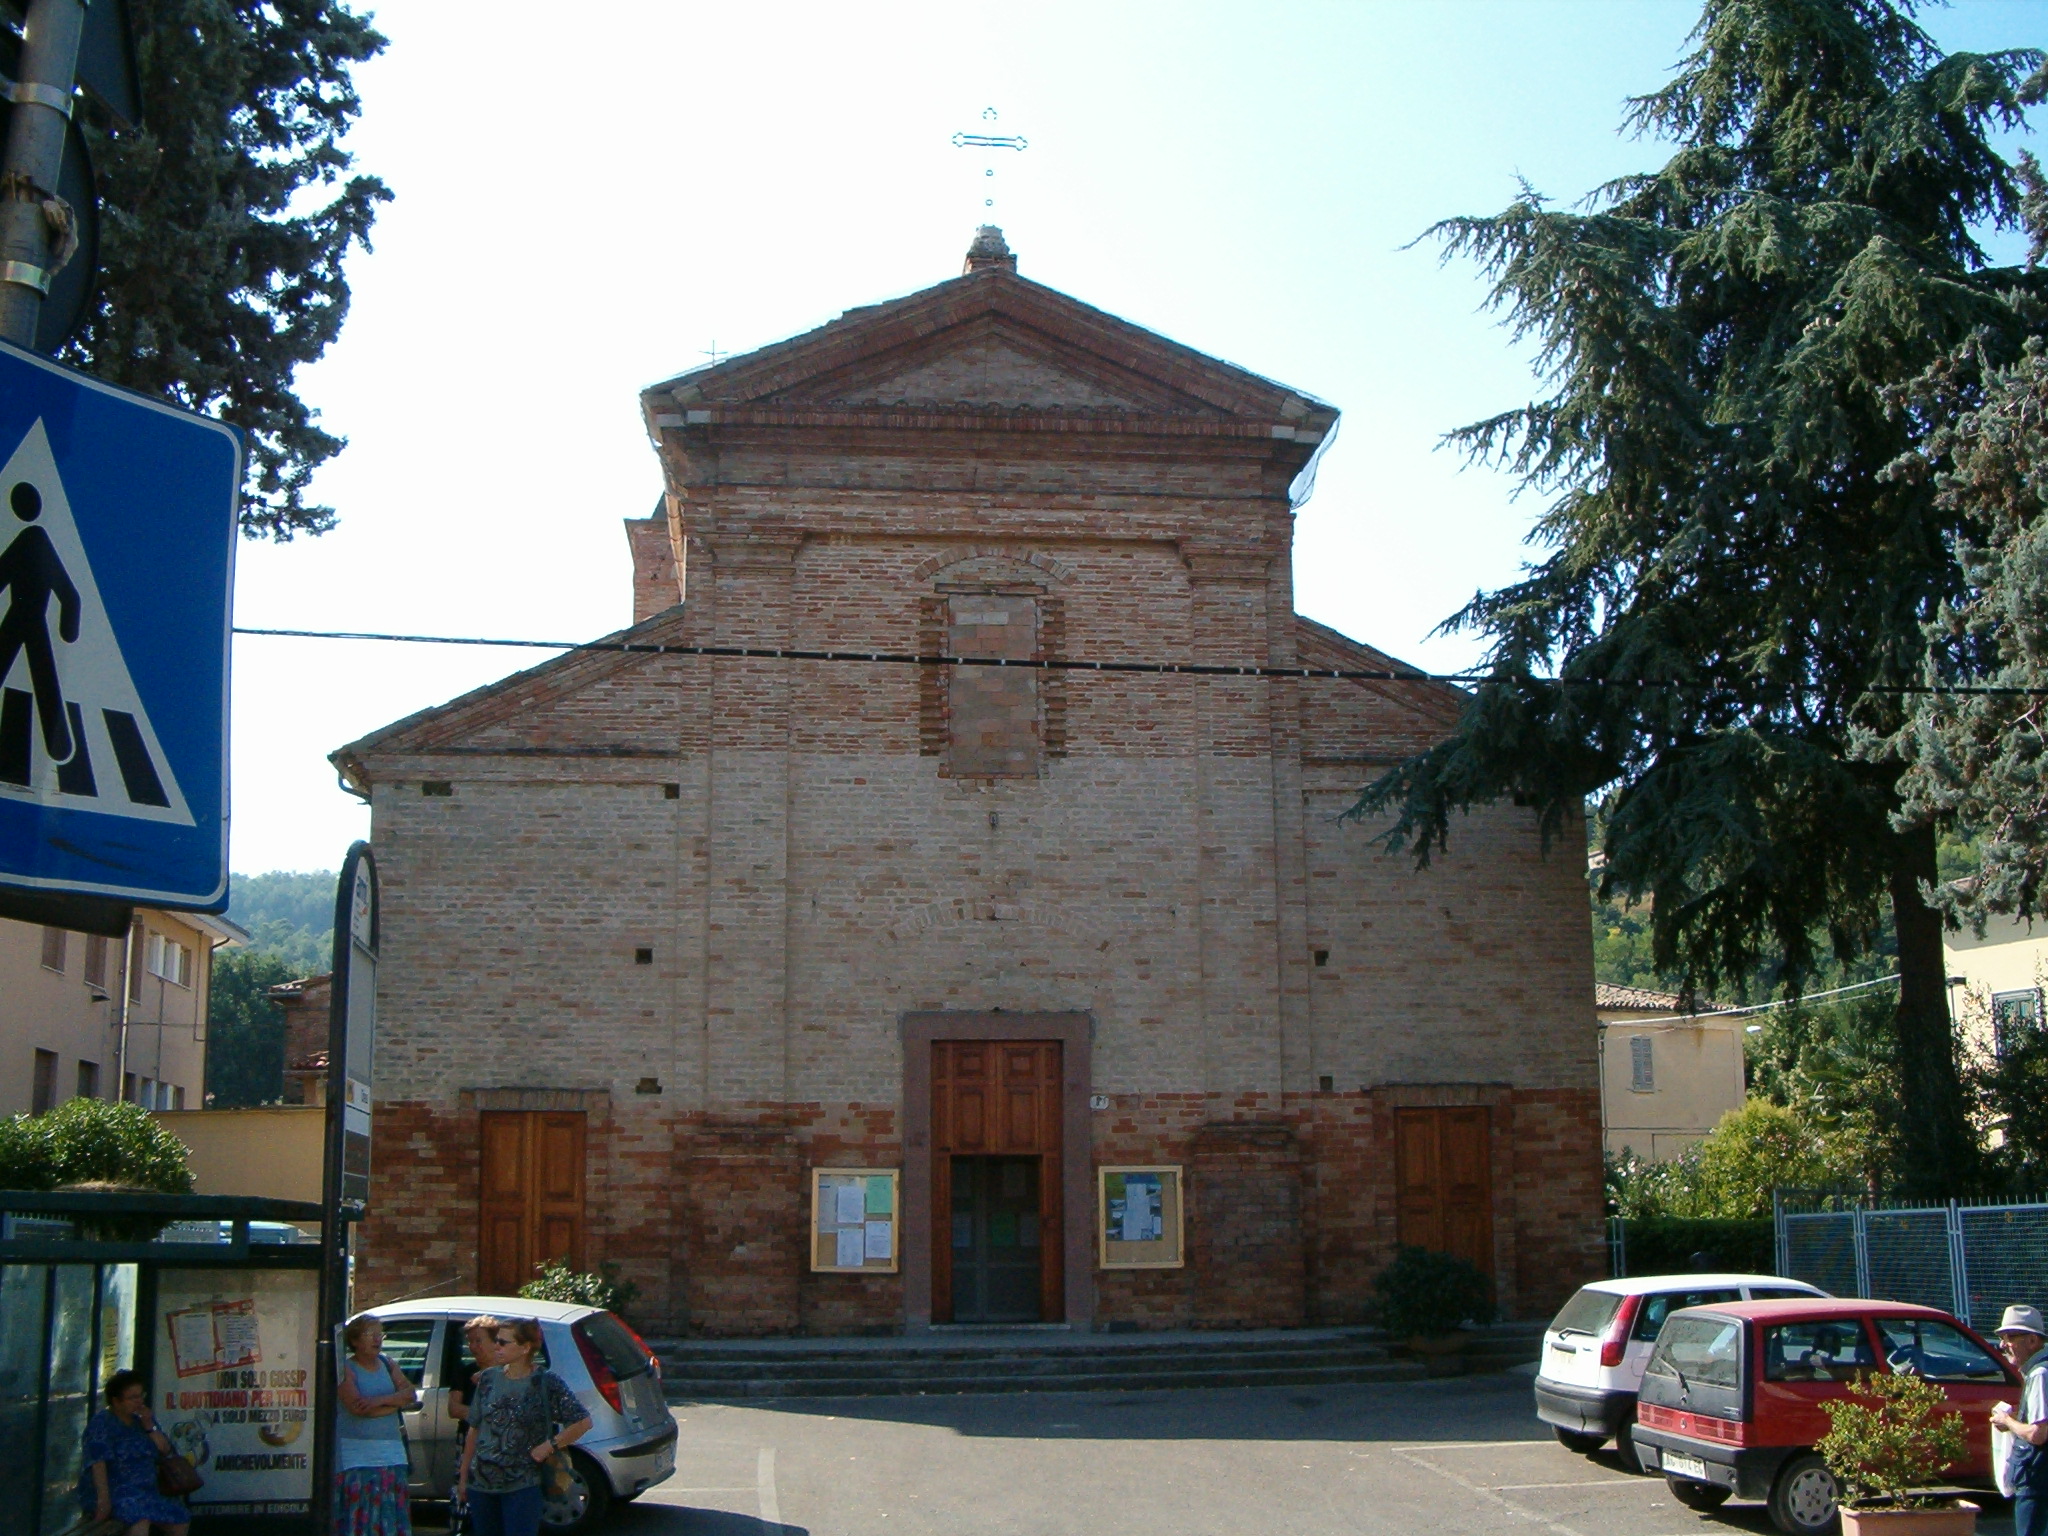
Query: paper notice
point(192, 1341)
point(234, 1326)
point(849, 1204)
point(879, 1189)
point(878, 1240)
point(1141, 1210)
point(849, 1255)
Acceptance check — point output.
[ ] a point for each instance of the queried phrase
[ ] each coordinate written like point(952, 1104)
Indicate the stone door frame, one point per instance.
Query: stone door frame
point(1076, 1035)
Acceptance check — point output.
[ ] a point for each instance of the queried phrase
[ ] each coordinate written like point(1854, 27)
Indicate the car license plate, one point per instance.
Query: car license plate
point(1684, 1466)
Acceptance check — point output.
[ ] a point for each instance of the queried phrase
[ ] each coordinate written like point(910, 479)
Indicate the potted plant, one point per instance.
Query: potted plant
point(1891, 1440)
point(1426, 1299)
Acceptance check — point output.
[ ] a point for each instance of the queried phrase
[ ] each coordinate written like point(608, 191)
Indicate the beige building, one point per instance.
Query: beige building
point(273, 1150)
point(1995, 981)
point(84, 1016)
point(1666, 1077)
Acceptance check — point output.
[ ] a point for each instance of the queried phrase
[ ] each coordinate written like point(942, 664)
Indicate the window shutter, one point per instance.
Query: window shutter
point(1642, 1068)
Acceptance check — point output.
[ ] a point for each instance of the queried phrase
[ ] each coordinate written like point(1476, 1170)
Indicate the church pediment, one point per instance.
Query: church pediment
point(993, 361)
point(986, 341)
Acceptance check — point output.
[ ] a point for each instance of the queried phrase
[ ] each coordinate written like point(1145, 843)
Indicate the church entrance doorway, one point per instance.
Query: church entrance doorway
point(997, 1244)
point(1443, 1169)
point(532, 1195)
point(996, 1180)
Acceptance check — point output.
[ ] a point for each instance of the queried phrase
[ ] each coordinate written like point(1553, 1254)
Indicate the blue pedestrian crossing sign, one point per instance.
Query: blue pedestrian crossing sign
point(117, 549)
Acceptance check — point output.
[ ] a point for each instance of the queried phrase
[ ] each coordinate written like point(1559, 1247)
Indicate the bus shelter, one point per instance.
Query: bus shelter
point(213, 1299)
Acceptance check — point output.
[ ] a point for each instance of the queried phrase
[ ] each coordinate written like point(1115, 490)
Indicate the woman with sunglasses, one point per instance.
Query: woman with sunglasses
point(511, 1440)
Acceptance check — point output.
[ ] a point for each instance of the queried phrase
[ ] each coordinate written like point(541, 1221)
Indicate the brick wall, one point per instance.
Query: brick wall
point(708, 889)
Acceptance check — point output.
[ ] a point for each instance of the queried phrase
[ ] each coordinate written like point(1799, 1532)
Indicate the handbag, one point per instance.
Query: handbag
point(176, 1476)
point(556, 1472)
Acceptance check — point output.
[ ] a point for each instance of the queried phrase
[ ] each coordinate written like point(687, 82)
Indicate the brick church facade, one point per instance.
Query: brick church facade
point(666, 933)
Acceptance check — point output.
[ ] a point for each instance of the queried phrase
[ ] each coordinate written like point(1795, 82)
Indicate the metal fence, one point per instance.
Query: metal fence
point(1972, 1260)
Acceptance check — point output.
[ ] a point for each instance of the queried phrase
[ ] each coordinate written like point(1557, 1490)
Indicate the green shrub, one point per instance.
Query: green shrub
point(558, 1282)
point(1424, 1294)
point(1886, 1441)
point(90, 1141)
point(1664, 1245)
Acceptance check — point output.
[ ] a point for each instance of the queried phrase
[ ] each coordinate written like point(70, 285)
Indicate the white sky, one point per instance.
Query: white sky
point(588, 196)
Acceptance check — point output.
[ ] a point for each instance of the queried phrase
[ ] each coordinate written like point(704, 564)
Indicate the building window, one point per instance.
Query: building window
point(96, 959)
point(169, 959)
point(128, 1088)
point(134, 971)
point(44, 1094)
point(178, 1097)
point(53, 949)
point(992, 712)
point(2013, 1016)
point(1642, 1066)
point(88, 1079)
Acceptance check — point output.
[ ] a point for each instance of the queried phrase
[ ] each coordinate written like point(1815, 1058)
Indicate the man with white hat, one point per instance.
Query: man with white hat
point(2021, 1333)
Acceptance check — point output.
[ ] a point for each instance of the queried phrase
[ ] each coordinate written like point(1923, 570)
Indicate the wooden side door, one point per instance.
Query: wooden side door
point(1444, 1181)
point(530, 1195)
point(997, 1098)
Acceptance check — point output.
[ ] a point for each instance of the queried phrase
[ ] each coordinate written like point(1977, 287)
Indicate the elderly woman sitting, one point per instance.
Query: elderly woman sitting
point(122, 1444)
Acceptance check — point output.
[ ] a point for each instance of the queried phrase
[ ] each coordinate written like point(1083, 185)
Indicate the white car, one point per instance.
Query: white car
point(632, 1441)
point(1595, 1349)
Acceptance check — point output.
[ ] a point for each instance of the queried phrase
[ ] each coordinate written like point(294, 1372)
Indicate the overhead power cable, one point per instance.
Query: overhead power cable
point(1078, 664)
point(1783, 1002)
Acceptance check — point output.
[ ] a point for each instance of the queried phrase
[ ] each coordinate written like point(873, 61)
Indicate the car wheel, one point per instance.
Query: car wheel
point(581, 1505)
point(1803, 1500)
point(1697, 1495)
point(1578, 1440)
point(1625, 1446)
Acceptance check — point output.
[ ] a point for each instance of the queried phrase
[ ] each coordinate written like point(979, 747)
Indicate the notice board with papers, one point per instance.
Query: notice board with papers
point(1140, 1220)
point(854, 1220)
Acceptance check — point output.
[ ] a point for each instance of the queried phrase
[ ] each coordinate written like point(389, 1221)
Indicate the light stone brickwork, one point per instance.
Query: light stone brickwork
point(1267, 986)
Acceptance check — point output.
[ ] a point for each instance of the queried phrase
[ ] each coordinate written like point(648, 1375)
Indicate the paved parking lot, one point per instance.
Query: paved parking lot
point(1459, 1456)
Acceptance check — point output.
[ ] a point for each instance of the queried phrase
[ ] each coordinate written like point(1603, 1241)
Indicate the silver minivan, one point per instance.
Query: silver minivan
point(632, 1441)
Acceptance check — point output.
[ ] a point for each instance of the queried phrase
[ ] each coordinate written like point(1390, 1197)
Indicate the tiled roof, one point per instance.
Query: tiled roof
point(1607, 995)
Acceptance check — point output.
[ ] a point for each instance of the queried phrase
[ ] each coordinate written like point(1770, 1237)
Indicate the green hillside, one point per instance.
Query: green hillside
point(290, 918)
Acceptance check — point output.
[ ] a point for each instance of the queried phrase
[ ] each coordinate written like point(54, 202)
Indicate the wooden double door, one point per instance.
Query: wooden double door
point(997, 1249)
point(1444, 1172)
point(531, 1207)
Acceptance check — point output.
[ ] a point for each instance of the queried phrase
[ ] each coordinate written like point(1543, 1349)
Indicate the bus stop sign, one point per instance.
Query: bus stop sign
point(117, 549)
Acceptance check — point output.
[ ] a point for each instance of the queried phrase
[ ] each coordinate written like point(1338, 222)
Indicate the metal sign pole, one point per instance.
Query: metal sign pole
point(34, 157)
point(351, 1034)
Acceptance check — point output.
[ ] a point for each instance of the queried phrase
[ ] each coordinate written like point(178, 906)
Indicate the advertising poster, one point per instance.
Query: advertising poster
point(233, 1388)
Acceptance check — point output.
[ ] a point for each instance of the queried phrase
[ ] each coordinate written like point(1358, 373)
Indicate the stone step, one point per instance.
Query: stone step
point(1061, 1360)
point(976, 1344)
point(890, 1384)
point(1084, 1347)
point(1073, 1364)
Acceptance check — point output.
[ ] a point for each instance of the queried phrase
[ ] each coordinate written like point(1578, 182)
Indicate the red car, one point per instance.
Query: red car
point(1731, 1398)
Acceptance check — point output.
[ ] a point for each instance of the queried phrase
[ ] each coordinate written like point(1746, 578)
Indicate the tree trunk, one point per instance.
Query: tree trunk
point(1938, 1149)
